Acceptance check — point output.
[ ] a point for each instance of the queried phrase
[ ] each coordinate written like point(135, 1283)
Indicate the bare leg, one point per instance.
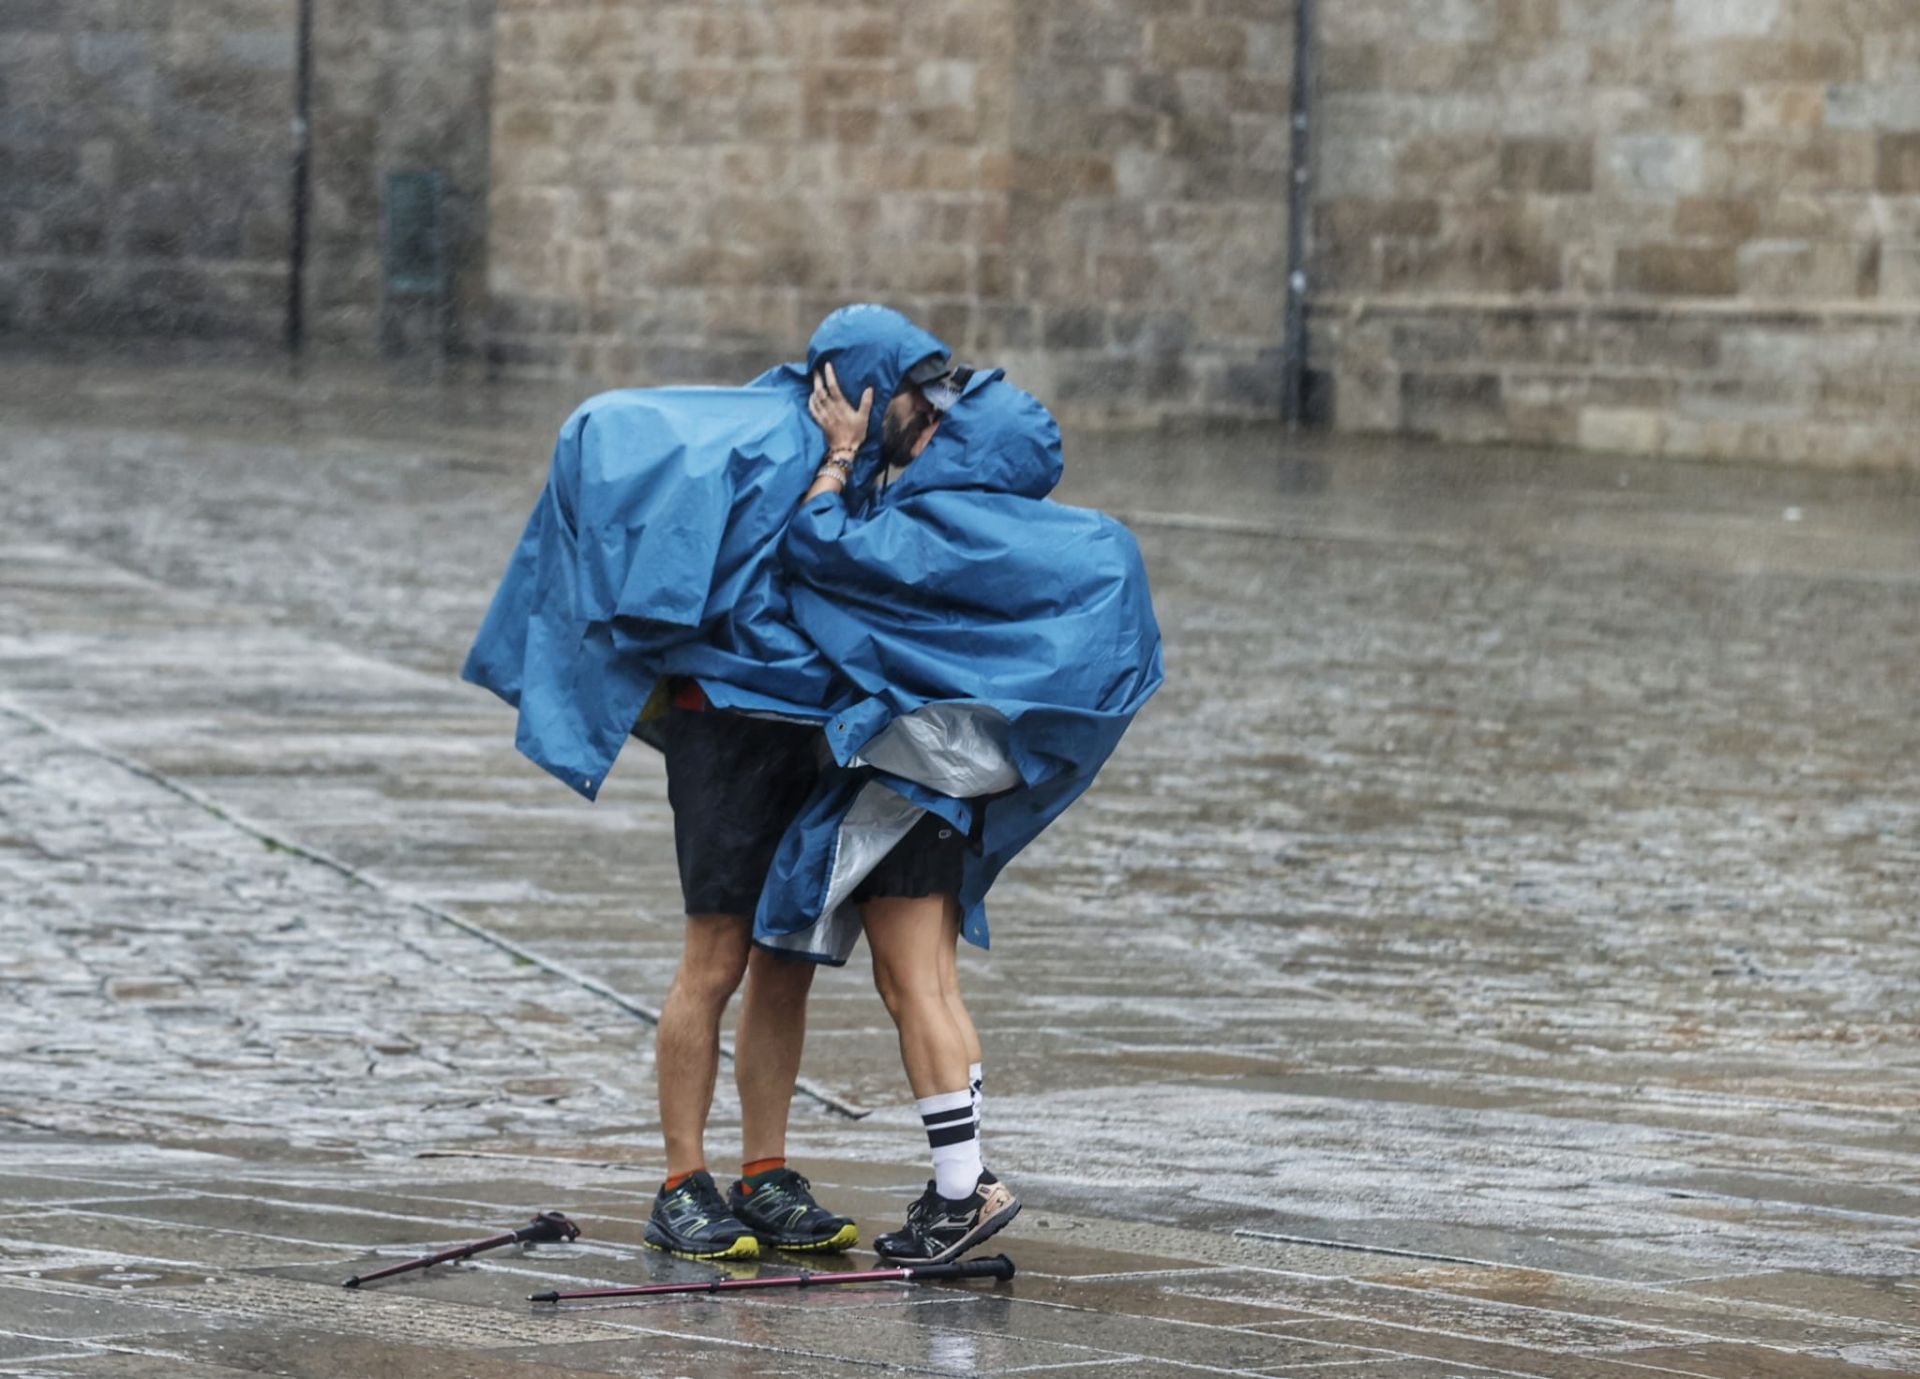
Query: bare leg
point(950, 983)
point(687, 1049)
point(907, 938)
point(773, 1027)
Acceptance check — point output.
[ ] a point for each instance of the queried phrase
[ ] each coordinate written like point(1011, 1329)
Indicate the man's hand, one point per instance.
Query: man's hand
point(845, 424)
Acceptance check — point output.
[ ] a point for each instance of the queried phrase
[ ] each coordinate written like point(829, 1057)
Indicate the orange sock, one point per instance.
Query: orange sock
point(674, 1180)
point(754, 1168)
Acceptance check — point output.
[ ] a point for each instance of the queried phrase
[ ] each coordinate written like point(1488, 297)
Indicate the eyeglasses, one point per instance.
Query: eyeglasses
point(941, 395)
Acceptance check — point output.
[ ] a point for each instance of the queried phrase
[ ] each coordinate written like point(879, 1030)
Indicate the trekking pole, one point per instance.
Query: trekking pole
point(547, 1228)
point(999, 1266)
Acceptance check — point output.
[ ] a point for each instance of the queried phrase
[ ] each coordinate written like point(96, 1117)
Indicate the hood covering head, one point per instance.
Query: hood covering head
point(870, 346)
point(995, 439)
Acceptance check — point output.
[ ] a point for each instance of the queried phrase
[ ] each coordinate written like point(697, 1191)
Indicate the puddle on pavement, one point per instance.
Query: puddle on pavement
point(123, 1278)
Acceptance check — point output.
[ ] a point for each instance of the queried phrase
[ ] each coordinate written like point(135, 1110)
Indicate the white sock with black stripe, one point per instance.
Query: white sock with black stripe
point(955, 1142)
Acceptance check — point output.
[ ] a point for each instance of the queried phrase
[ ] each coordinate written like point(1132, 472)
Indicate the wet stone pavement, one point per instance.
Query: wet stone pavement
point(1493, 953)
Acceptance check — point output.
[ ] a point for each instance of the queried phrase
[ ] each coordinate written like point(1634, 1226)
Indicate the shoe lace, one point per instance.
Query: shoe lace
point(792, 1188)
point(922, 1206)
point(697, 1198)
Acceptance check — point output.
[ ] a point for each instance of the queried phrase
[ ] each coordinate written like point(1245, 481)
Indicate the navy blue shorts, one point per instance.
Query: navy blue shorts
point(736, 783)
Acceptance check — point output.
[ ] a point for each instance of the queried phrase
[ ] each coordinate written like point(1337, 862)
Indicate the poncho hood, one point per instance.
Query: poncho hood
point(869, 346)
point(994, 440)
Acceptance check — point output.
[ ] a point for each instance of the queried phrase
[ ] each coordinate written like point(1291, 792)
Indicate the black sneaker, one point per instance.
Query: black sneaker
point(781, 1212)
point(939, 1228)
point(692, 1221)
point(918, 1208)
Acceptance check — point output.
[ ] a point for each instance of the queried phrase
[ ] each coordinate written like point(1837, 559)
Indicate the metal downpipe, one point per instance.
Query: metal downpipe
point(302, 180)
point(1293, 397)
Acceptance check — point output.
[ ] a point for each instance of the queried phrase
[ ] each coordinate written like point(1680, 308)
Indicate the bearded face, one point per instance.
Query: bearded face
point(905, 421)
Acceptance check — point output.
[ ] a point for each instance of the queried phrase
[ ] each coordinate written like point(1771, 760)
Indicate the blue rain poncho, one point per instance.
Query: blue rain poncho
point(969, 646)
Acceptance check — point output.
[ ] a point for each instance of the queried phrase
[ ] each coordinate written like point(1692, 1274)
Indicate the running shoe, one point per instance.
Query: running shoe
point(692, 1221)
point(782, 1214)
point(939, 1228)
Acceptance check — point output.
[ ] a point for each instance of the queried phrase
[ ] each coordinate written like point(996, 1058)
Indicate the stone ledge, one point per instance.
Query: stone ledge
point(1637, 308)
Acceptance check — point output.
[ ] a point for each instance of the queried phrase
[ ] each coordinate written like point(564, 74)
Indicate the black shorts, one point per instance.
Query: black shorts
point(736, 783)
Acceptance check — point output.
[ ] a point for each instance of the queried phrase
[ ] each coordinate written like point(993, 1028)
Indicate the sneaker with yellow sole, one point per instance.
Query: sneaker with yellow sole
point(778, 1207)
point(692, 1221)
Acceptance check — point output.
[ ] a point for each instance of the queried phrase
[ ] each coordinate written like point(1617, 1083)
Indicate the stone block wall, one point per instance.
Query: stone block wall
point(681, 191)
point(1685, 226)
point(146, 162)
point(398, 86)
point(1087, 193)
point(1148, 219)
point(144, 168)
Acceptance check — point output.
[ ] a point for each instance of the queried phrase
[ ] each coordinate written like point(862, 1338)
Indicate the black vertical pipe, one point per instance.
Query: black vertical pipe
point(302, 180)
point(1293, 398)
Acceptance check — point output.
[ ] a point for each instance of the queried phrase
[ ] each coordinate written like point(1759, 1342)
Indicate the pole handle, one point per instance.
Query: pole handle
point(549, 1227)
point(994, 1266)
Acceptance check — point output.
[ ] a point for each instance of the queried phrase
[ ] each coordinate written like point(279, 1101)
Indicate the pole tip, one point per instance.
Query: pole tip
point(353, 1282)
point(543, 1297)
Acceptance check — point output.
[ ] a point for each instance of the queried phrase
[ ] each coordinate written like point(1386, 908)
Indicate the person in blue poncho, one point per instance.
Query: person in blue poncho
point(879, 661)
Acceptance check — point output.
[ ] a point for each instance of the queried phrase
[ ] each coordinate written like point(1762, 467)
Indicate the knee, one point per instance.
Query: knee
point(904, 990)
point(775, 978)
point(883, 983)
point(709, 979)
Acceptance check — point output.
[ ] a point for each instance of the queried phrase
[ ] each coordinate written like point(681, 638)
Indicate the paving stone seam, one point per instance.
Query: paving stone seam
point(265, 1298)
point(1661, 1335)
point(1218, 1250)
point(1563, 541)
point(702, 1338)
point(1080, 1366)
point(89, 1348)
point(1250, 1327)
point(1245, 1234)
point(1667, 1336)
point(1547, 1093)
point(613, 1165)
point(28, 1205)
point(1190, 1365)
point(70, 1349)
point(1786, 1206)
point(1678, 1288)
point(640, 1009)
point(164, 1221)
point(1132, 1275)
point(473, 1220)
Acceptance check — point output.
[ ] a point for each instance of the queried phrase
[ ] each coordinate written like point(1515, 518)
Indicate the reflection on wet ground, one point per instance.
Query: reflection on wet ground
point(1494, 950)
